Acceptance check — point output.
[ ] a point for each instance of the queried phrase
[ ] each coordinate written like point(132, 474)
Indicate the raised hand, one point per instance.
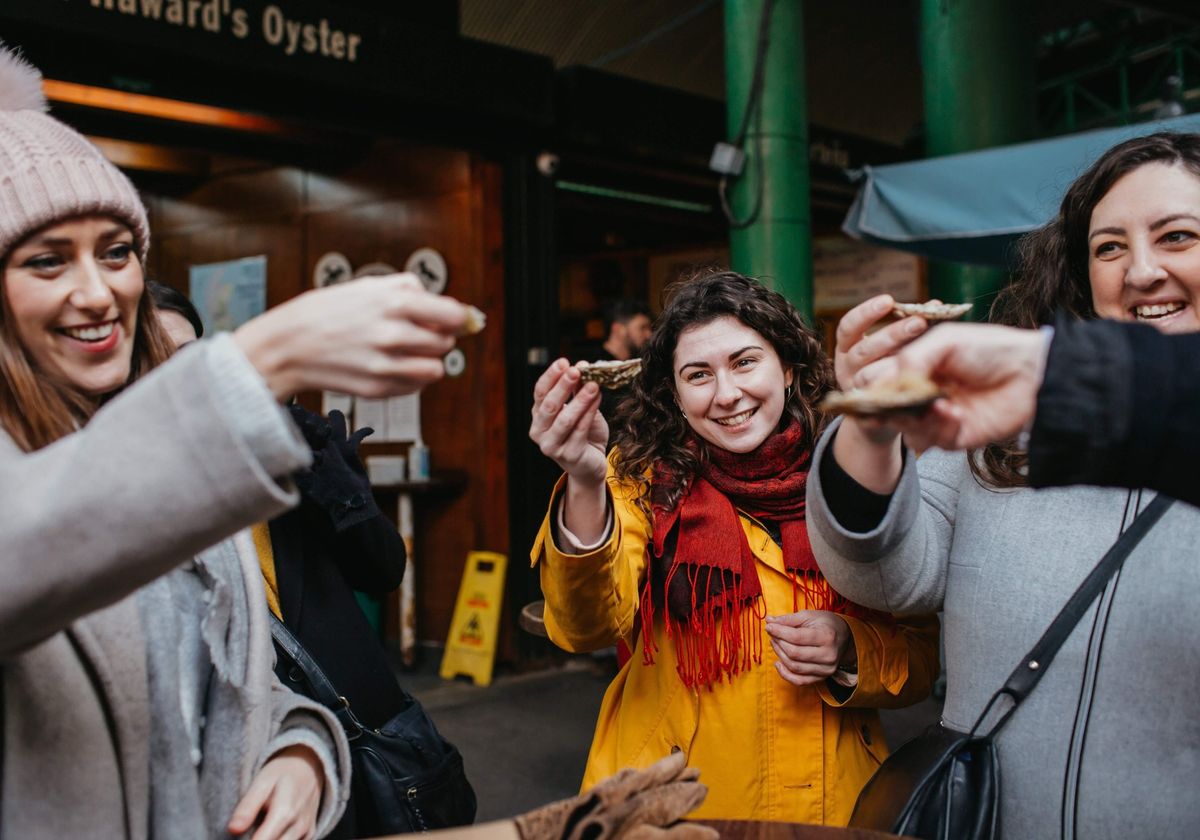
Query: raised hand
point(374, 337)
point(991, 373)
point(856, 349)
point(567, 425)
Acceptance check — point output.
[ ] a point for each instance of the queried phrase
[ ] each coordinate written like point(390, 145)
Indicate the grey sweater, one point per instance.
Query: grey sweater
point(1111, 730)
point(190, 454)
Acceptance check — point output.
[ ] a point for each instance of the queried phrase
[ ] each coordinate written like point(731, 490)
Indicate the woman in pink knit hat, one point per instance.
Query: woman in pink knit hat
point(135, 655)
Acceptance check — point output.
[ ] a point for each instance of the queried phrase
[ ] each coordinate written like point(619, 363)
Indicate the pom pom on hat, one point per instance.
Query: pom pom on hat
point(20, 84)
point(50, 172)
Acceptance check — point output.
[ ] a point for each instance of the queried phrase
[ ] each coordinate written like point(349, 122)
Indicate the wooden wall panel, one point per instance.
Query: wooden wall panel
point(380, 208)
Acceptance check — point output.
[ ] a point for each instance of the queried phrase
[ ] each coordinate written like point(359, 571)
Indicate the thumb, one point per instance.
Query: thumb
point(357, 437)
point(796, 619)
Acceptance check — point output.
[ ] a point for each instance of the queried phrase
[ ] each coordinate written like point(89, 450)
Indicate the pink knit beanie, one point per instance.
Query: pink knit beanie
point(48, 171)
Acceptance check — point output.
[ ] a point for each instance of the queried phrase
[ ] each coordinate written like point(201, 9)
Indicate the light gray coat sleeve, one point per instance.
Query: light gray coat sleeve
point(900, 566)
point(189, 454)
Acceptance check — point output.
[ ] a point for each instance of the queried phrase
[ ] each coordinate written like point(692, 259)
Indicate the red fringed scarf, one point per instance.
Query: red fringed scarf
point(702, 568)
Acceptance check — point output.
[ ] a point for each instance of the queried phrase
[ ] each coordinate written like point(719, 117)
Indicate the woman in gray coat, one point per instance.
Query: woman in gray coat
point(1106, 745)
point(137, 698)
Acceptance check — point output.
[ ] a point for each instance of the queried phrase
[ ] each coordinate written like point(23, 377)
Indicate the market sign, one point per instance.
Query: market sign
point(393, 52)
point(269, 23)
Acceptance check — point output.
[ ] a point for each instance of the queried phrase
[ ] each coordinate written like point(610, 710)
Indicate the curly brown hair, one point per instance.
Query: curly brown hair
point(1052, 277)
point(651, 432)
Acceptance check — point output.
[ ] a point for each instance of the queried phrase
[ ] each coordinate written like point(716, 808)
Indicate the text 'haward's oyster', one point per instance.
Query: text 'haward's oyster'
point(610, 374)
point(933, 311)
point(906, 394)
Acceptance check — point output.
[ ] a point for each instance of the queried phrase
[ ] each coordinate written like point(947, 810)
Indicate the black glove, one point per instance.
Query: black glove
point(337, 482)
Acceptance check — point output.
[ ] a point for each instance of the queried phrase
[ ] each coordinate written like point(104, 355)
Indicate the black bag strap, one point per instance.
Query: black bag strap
point(323, 690)
point(1034, 664)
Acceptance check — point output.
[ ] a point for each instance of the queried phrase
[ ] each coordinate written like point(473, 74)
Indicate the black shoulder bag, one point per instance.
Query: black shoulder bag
point(405, 777)
point(945, 785)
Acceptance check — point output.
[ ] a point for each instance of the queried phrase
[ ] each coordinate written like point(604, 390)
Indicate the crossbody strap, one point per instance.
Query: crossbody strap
point(323, 690)
point(1034, 664)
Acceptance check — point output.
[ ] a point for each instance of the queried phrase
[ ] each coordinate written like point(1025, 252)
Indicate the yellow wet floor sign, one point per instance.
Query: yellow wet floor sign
point(471, 647)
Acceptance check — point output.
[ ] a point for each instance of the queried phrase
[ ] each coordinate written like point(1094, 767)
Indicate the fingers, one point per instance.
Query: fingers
point(548, 378)
point(251, 805)
point(883, 343)
point(564, 434)
point(337, 425)
point(858, 320)
point(436, 312)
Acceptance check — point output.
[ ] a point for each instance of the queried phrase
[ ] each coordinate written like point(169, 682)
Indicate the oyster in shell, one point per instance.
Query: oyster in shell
point(476, 320)
point(906, 394)
point(610, 374)
point(933, 311)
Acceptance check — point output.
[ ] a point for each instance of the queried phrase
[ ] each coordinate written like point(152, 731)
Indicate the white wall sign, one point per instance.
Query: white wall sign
point(332, 268)
point(455, 362)
point(430, 267)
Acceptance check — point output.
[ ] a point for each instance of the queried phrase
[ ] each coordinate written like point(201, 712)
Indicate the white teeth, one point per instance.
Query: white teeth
point(736, 419)
point(1157, 310)
point(90, 333)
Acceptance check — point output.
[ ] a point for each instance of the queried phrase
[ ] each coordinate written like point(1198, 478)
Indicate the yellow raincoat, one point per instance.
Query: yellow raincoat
point(766, 749)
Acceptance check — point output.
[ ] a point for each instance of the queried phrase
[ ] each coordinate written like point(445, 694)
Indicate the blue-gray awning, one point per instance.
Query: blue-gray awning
point(971, 207)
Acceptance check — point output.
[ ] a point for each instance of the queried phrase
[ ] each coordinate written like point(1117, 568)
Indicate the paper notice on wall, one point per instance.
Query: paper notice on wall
point(371, 413)
point(228, 294)
point(333, 401)
point(404, 418)
point(846, 272)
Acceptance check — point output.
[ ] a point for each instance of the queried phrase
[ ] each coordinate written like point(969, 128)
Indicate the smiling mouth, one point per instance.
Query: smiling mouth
point(737, 419)
point(91, 334)
point(1148, 312)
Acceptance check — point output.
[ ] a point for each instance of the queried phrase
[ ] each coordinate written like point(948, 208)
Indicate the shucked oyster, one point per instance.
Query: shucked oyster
point(476, 320)
point(908, 393)
point(933, 311)
point(610, 374)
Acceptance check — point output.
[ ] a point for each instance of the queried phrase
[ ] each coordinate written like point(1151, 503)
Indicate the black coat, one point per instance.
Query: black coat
point(335, 542)
point(1119, 406)
point(317, 569)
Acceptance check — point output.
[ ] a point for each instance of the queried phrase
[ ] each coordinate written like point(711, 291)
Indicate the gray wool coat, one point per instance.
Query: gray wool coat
point(186, 457)
point(1108, 743)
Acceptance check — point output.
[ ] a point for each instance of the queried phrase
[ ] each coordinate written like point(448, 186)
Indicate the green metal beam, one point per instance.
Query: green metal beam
point(772, 193)
point(978, 60)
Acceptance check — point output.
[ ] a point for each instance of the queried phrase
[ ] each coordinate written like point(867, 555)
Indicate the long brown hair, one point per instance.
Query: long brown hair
point(37, 407)
point(651, 431)
point(1053, 278)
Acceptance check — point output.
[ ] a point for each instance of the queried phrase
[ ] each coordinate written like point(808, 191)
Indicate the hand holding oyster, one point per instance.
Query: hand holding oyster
point(933, 310)
point(906, 394)
point(610, 374)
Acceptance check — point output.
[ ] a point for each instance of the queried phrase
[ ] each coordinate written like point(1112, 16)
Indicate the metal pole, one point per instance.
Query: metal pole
point(978, 58)
point(772, 194)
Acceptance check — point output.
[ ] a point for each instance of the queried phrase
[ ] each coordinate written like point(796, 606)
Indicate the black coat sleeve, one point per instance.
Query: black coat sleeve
point(1119, 406)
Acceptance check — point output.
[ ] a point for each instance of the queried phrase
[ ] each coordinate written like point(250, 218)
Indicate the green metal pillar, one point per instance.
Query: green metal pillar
point(978, 59)
point(773, 190)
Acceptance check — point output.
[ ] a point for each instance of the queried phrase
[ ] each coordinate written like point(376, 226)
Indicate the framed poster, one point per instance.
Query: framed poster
point(228, 294)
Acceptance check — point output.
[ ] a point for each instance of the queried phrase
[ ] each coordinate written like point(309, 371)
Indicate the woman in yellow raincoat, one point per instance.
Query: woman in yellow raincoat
point(689, 543)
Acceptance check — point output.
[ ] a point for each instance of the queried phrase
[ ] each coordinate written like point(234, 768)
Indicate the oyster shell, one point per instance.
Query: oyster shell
point(906, 394)
point(610, 374)
point(933, 311)
point(476, 320)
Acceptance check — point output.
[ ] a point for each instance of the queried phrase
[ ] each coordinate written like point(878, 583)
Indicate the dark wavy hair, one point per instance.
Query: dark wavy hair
point(1053, 276)
point(651, 431)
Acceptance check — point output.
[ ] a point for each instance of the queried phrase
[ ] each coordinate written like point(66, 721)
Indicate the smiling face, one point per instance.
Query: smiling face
point(730, 383)
point(72, 292)
point(1143, 259)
